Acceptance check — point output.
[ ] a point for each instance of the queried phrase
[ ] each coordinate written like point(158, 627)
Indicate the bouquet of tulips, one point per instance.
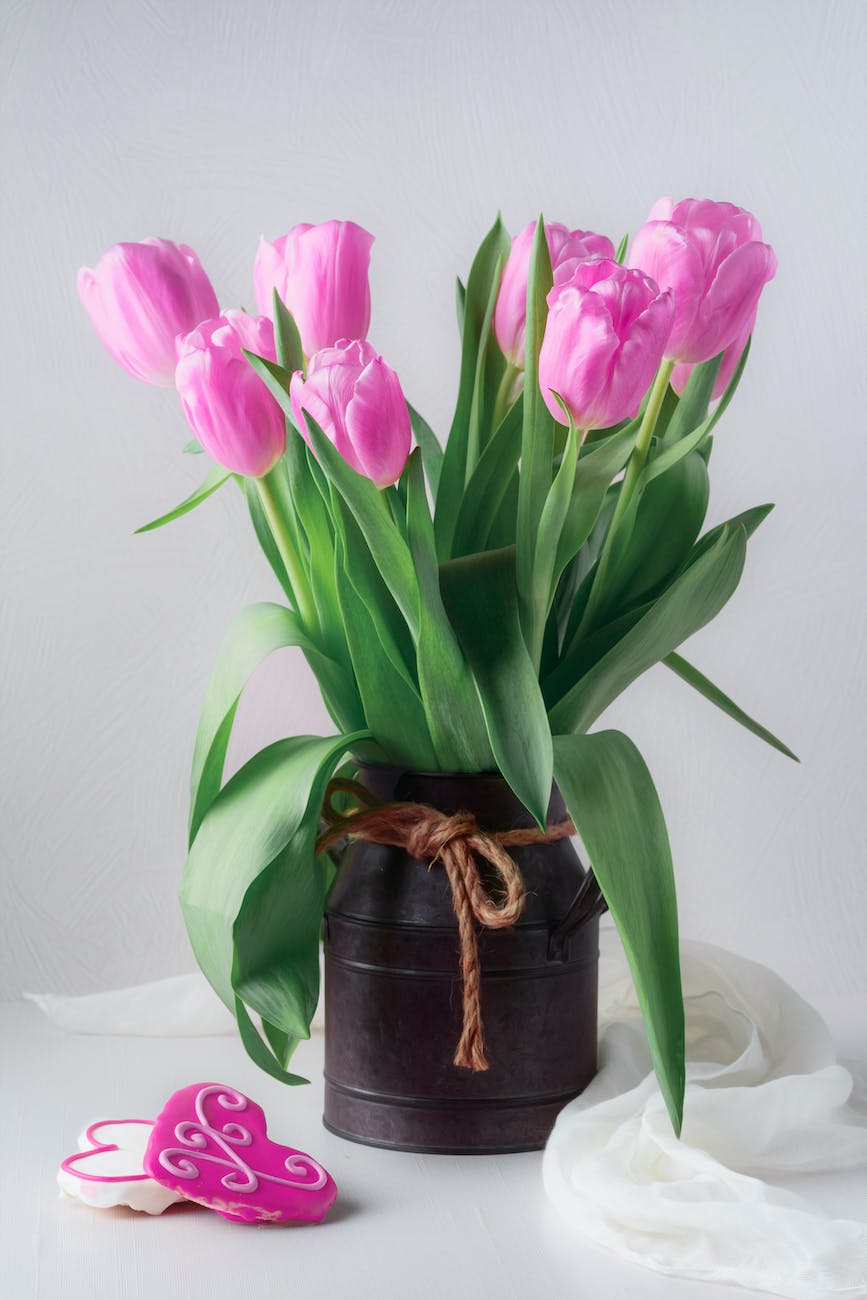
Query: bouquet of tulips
point(467, 606)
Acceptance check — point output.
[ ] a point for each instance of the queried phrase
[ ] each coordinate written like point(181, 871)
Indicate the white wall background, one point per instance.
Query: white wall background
point(212, 122)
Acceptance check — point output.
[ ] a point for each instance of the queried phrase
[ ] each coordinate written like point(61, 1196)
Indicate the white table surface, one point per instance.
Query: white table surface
point(405, 1227)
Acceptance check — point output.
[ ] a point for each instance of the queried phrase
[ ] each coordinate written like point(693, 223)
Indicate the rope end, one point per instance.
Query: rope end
point(471, 1055)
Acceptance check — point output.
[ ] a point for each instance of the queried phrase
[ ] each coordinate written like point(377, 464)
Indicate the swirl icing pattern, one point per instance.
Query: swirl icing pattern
point(210, 1144)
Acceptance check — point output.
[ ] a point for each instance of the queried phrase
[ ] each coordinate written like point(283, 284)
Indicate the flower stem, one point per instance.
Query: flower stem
point(297, 578)
point(627, 491)
point(642, 442)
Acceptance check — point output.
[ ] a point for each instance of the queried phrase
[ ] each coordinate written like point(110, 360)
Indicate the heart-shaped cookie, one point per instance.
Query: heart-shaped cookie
point(107, 1169)
point(209, 1144)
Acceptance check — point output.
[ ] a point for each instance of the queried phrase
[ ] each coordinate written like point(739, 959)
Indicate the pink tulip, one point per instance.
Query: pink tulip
point(229, 409)
point(681, 373)
point(357, 401)
point(606, 333)
point(321, 274)
point(567, 248)
point(712, 258)
point(140, 297)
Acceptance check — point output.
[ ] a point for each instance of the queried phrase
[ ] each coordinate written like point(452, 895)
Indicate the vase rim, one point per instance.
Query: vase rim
point(487, 794)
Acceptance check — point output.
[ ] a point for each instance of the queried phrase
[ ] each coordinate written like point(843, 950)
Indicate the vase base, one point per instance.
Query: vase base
point(429, 1151)
point(490, 1128)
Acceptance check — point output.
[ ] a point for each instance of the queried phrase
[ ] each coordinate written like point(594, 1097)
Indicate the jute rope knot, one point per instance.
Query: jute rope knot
point(458, 841)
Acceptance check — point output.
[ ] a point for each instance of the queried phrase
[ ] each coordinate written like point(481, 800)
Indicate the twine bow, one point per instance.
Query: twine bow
point(457, 840)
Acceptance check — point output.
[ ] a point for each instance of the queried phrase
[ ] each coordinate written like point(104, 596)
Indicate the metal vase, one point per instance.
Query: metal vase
point(393, 990)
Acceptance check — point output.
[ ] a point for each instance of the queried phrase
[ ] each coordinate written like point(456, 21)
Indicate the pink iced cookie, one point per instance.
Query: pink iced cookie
point(107, 1170)
point(209, 1144)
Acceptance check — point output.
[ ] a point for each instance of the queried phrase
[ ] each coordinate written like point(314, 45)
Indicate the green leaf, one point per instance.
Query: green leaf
point(671, 454)
point(505, 523)
point(583, 654)
point(537, 444)
point(478, 307)
point(392, 705)
point(693, 403)
point(489, 483)
point(255, 634)
point(460, 304)
point(308, 493)
point(431, 451)
point(275, 377)
point(253, 893)
point(359, 568)
point(667, 411)
point(620, 255)
point(580, 574)
point(749, 520)
point(490, 372)
point(193, 447)
point(214, 479)
point(480, 599)
point(551, 525)
point(290, 353)
point(669, 518)
point(451, 702)
point(593, 476)
point(692, 600)
point(611, 798)
point(274, 1060)
point(374, 518)
point(705, 687)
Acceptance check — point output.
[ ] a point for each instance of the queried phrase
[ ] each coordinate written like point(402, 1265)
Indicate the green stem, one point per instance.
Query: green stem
point(303, 599)
point(642, 442)
point(636, 464)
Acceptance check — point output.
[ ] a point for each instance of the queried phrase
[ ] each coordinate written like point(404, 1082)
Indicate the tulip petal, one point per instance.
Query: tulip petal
point(670, 256)
point(378, 424)
point(576, 355)
point(139, 297)
point(567, 248)
point(228, 407)
point(510, 313)
point(661, 210)
point(708, 214)
point(305, 395)
point(730, 304)
point(357, 401)
point(321, 274)
point(637, 361)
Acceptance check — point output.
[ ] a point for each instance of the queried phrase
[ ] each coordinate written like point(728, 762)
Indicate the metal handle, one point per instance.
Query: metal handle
point(587, 904)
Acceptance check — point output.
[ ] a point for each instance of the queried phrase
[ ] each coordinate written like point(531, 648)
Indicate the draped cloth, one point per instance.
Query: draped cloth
point(765, 1098)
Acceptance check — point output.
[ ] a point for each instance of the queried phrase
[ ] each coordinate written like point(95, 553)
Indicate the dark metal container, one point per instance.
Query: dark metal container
point(393, 994)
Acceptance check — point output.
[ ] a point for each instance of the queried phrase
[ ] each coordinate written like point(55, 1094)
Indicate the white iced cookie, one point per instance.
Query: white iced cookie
point(107, 1169)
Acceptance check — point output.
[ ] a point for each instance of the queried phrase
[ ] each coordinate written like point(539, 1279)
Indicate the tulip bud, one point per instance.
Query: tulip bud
point(140, 297)
point(357, 401)
point(567, 248)
point(229, 409)
point(321, 274)
point(711, 256)
point(606, 331)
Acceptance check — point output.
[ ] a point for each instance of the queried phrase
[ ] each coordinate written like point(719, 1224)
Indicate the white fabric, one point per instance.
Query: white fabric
point(180, 1007)
point(765, 1096)
point(184, 1006)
